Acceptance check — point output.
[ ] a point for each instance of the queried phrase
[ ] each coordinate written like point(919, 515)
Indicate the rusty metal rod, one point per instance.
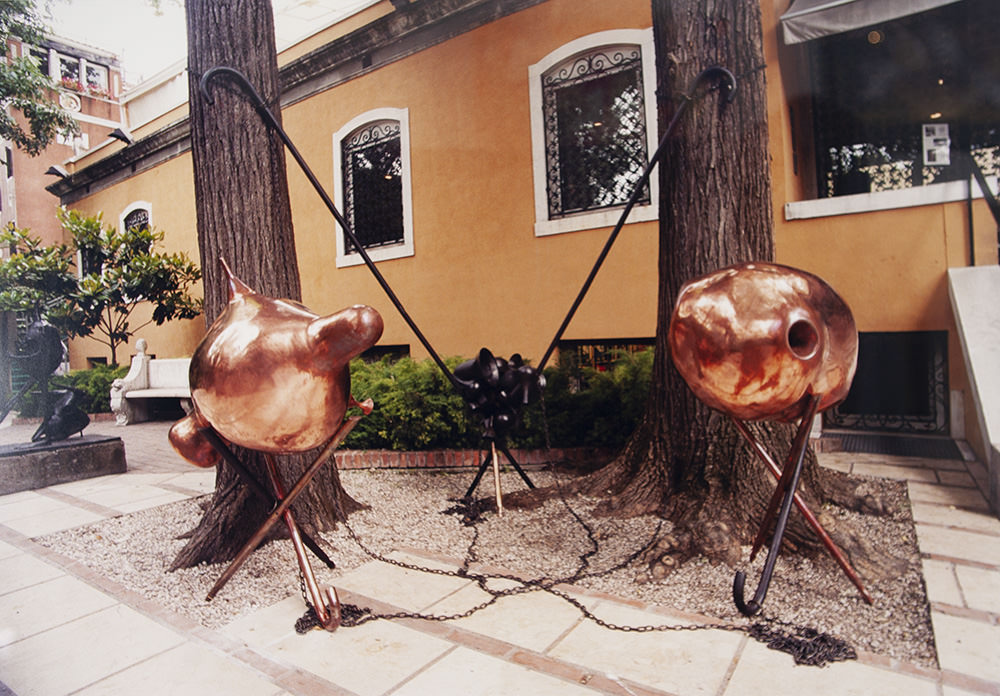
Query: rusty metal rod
point(283, 505)
point(251, 481)
point(329, 617)
point(802, 507)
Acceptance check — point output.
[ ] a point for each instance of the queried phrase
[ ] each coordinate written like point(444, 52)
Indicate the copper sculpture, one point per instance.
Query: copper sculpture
point(761, 341)
point(272, 376)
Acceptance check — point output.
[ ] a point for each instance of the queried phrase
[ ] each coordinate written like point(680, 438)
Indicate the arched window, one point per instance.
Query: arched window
point(593, 127)
point(372, 175)
point(138, 217)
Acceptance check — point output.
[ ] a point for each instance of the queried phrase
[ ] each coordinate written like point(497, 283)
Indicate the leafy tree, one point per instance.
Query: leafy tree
point(34, 277)
point(24, 89)
point(119, 271)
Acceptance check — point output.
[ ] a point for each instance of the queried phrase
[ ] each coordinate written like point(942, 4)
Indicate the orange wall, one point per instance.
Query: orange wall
point(479, 276)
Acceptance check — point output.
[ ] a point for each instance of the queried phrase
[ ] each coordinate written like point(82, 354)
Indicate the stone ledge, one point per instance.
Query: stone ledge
point(38, 465)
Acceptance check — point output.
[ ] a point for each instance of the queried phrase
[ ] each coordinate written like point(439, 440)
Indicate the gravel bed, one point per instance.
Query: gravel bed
point(406, 513)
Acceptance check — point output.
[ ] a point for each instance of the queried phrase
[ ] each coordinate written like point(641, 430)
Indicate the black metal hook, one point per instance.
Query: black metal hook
point(786, 489)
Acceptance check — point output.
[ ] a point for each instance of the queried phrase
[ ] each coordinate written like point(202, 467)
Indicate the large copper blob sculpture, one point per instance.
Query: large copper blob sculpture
point(753, 340)
point(272, 376)
point(760, 341)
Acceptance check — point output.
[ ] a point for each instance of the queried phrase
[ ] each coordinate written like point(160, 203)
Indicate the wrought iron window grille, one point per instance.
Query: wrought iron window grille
point(595, 130)
point(372, 170)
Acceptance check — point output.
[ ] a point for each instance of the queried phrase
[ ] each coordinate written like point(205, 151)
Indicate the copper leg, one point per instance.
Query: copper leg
point(283, 505)
point(810, 518)
point(329, 616)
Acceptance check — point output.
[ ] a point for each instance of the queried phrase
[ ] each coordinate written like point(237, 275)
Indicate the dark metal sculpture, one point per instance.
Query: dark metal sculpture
point(496, 390)
point(760, 341)
point(42, 353)
point(272, 376)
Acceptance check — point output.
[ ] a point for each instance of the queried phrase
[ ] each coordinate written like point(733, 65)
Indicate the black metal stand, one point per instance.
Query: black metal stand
point(785, 494)
point(487, 460)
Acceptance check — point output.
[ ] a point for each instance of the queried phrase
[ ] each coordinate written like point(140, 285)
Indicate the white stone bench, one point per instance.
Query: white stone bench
point(149, 379)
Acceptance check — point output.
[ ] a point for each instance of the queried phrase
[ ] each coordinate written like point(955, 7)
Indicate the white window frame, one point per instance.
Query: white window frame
point(643, 38)
point(931, 194)
point(393, 251)
point(131, 208)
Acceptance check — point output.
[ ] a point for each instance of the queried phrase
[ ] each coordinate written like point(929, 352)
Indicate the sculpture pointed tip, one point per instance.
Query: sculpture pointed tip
point(236, 286)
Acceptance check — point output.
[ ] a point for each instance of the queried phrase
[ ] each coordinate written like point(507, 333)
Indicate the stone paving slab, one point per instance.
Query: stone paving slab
point(52, 610)
point(763, 671)
point(957, 543)
point(465, 672)
point(951, 517)
point(82, 651)
point(967, 646)
point(186, 670)
point(48, 604)
point(676, 662)
point(514, 619)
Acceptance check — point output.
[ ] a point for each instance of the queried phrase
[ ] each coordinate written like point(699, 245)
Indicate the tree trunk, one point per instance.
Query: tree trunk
point(244, 216)
point(685, 461)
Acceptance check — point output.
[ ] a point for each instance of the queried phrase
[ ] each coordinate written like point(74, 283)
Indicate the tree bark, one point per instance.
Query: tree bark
point(244, 216)
point(685, 461)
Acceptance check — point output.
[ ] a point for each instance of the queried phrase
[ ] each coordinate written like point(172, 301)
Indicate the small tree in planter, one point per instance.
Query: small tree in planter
point(93, 285)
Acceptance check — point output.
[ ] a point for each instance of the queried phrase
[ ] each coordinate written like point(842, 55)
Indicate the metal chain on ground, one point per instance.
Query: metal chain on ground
point(806, 645)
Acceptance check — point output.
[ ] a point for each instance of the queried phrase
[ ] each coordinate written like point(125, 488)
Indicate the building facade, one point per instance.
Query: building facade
point(89, 87)
point(483, 149)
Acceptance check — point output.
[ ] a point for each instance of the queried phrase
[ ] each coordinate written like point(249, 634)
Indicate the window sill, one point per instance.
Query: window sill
point(386, 253)
point(933, 194)
point(592, 221)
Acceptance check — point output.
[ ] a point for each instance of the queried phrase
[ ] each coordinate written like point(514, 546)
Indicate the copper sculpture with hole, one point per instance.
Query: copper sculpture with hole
point(761, 341)
point(270, 375)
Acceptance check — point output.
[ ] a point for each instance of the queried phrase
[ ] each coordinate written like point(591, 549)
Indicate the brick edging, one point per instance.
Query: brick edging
point(448, 459)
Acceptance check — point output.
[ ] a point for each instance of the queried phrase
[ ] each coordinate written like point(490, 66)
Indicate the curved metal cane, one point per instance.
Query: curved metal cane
point(785, 492)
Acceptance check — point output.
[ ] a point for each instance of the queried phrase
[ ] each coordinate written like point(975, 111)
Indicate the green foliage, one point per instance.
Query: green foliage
point(23, 88)
point(122, 270)
point(416, 408)
point(34, 276)
point(95, 383)
point(590, 408)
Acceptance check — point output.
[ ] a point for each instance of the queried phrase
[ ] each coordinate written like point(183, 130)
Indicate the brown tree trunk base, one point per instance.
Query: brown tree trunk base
point(716, 515)
point(234, 512)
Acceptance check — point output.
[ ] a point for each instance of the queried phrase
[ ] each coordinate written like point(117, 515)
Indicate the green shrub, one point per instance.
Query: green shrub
point(95, 384)
point(583, 407)
point(416, 408)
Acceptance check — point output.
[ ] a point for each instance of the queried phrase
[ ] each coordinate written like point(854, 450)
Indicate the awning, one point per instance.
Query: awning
point(811, 19)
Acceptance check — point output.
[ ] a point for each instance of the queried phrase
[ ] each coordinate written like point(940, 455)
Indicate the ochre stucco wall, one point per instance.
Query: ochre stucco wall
point(480, 277)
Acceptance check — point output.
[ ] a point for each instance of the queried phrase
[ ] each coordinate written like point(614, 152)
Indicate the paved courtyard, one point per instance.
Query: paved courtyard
point(64, 629)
